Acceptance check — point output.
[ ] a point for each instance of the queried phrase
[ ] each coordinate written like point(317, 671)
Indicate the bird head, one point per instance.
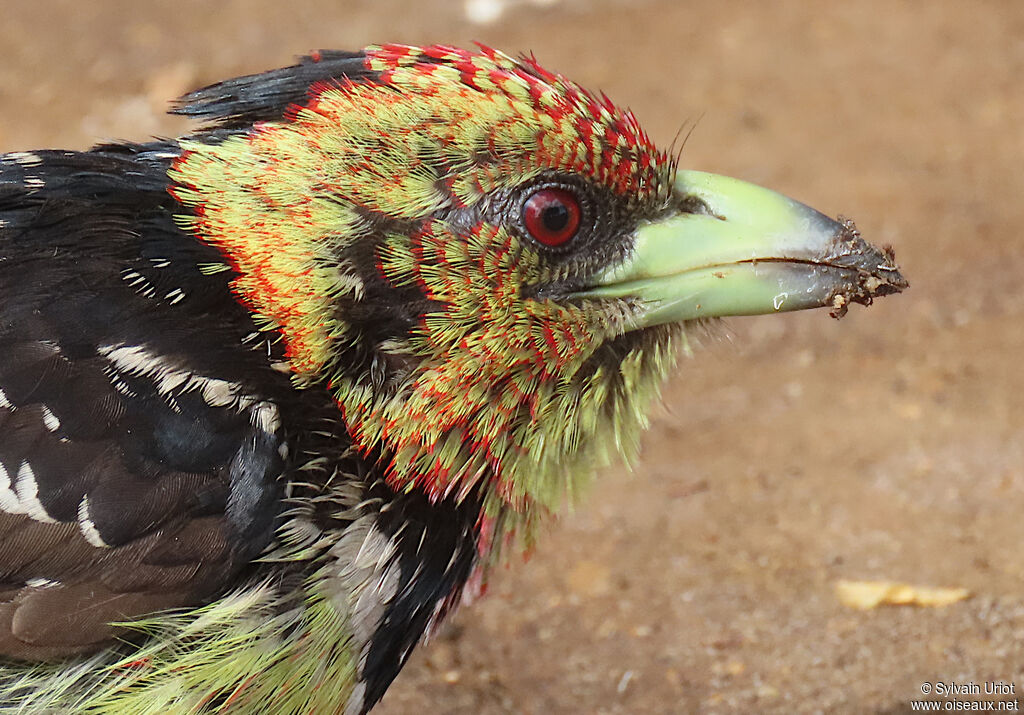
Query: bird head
point(489, 267)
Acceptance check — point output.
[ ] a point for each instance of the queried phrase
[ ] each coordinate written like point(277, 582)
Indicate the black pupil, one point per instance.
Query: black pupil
point(555, 217)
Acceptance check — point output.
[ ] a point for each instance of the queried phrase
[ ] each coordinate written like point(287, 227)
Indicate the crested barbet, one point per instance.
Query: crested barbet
point(276, 393)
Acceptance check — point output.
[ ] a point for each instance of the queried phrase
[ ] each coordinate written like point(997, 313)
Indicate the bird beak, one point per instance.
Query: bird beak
point(733, 248)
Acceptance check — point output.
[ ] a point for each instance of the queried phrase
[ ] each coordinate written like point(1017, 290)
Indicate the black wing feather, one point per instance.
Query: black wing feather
point(140, 451)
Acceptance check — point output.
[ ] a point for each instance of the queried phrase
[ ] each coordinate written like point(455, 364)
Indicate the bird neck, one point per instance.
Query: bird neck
point(531, 436)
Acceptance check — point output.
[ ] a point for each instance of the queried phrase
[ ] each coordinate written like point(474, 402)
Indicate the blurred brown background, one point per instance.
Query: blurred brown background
point(796, 451)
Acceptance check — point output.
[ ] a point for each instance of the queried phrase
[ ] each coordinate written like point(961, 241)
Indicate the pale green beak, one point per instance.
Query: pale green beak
point(733, 248)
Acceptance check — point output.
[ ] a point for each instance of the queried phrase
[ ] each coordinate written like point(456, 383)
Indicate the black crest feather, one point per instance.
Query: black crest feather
point(265, 96)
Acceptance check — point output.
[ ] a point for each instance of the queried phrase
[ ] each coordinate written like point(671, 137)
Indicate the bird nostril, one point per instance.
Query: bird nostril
point(695, 205)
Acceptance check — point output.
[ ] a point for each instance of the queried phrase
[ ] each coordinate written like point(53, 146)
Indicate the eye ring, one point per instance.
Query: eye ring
point(552, 216)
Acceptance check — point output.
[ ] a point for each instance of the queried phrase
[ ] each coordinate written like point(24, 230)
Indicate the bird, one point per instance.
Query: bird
point(277, 393)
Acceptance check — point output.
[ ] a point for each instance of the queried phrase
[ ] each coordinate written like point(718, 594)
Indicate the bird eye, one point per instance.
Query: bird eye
point(552, 216)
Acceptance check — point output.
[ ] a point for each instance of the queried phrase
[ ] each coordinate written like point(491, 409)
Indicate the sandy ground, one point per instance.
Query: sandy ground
point(793, 452)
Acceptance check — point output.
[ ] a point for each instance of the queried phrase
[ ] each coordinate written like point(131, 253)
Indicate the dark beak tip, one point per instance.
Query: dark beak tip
point(877, 273)
point(881, 280)
point(897, 282)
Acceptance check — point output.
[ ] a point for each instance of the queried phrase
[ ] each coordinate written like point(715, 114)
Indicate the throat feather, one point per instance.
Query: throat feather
point(526, 395)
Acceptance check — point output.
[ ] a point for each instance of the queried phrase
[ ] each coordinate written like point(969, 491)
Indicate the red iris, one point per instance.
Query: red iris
point(552, 216)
